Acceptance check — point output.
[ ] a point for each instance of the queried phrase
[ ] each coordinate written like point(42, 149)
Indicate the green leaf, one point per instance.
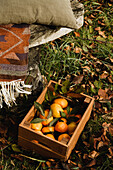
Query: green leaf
point(98, 84)
point(68, 109)
point(64, 89)
point(90, 29)
point(37, 120)
point(93, 90)
point(85, 48)
point(49, 95)
point(53, 121)
point(66, 83)
point(62, 114)
point(100, 38)
point(15, 148)
point(39, 107)
point(49, 115)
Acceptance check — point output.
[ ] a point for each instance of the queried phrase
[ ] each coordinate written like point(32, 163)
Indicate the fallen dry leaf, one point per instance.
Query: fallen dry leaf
point(77, 79)
point(17, 157)
point(97, 29)
point(92, 163)
point(93, 154)
point(111, 151)
point(104, 75)
point(77, 49)
point(77, 34)
point(102, 33)
point(102, 93)
point(100, 144)
point(111, 129)
point(110, 79)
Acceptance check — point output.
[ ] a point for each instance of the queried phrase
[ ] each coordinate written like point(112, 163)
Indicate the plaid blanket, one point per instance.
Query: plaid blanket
point(14, 42)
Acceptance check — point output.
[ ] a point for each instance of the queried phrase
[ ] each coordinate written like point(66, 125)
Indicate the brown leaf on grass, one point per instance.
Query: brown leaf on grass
point(92, 16)
point(102, 33)
point(3, 129)
point(111, 129)
point(48, 163)
point(104, 75)
point(17, 157)
point(102, 93)
point(77, 79)
point(1, 167)
point(3, 140)
point(86, 68)
point(97, 29)
point(77, 34)
point(95, 142)
point(111, 96)
point(97, 105)
point(101, 23)
point(110, 79)
point(111, 151)
point(111, 60)
point(93, 154)
point(100, 144)
point(92, 163)
point(77, 50)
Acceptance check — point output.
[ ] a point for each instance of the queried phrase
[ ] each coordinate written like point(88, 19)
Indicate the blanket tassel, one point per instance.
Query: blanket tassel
point(8, 90)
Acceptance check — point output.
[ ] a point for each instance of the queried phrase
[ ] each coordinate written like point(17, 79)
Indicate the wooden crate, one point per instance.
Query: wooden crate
point(48, 147)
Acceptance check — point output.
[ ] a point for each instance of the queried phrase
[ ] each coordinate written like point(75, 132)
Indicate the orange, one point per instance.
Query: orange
point(61, 101)
point(65, 111)
point(50, 136)
point(56, 109)
point(36, 126)
point(46, 114)
point(63, 120)
point(48, 129)
point(35, 141)
point(61, 127)
point(64, 135)
point(76, 116)
point(71, 127)
point(47, 121)
point(39, 132)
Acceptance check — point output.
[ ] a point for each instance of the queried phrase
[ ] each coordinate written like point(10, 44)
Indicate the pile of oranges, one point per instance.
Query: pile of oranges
point(55, 123)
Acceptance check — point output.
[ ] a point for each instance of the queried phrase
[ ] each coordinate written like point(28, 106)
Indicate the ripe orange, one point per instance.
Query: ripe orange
point(71, 127)
point(46, 114)
point(48, 129)
point(56, 109)
point(35, 141)
point(65, 111)
point(51, 136)
point(39, 132)
point(61, 101)
point(61, 127)
point(36, 126)
point(78, 116)
point(63, 120)
point(47, 121)
point(64, 135)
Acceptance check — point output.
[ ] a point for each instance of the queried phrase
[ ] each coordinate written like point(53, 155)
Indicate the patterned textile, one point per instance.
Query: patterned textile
point(14, 42)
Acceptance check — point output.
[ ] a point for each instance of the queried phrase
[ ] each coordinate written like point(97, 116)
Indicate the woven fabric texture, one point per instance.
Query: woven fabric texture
point(14, 42)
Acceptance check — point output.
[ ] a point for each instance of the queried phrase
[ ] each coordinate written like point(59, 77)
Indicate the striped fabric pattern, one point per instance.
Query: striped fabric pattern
point(14, 42)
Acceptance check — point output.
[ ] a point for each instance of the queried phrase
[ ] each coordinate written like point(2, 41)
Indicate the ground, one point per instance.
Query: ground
point(85, 58)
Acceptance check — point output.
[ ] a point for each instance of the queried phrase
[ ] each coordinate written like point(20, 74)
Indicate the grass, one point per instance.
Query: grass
point(88, 52)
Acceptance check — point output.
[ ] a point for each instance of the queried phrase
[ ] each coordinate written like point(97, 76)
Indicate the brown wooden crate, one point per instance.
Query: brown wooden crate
point(47, 146)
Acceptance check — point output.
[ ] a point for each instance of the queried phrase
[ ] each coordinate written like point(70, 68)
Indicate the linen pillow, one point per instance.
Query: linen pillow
point(47, 12)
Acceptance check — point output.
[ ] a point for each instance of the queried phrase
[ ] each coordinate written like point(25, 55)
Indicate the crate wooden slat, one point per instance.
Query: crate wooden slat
point(49, 147)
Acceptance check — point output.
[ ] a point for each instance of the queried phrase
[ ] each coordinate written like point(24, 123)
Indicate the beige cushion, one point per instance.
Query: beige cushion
point(47, 12)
